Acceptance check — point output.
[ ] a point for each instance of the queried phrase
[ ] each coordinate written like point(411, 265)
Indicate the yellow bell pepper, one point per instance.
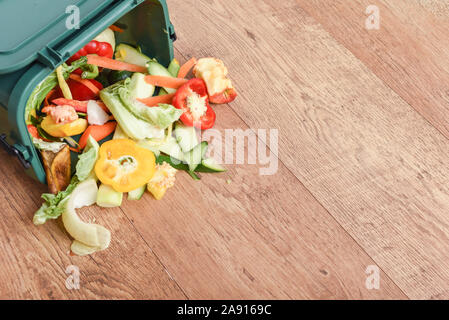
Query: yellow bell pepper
point(163, 179)
point(61, 130)
point(124, 166)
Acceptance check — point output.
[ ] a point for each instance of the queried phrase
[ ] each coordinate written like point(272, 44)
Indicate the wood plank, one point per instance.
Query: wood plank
point(409, 52)
point(259, 237)
point(375, 164)
point(33, 259)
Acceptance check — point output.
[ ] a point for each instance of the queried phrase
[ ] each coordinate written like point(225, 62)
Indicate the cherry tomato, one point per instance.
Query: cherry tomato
point(92, 47)
point(105, 50)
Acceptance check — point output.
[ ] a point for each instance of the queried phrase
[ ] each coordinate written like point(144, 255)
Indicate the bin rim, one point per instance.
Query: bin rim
point(40, 38)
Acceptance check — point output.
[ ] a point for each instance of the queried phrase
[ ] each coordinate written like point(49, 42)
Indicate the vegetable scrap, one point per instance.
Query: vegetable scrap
point(131, 123)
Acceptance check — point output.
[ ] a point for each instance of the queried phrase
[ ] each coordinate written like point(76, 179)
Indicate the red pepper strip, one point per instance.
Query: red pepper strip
point(80, 106)
point(97, 132)
point(33, 131)
point(226, 96)
point(165, 82)
point(85, 82)
point(185, 68)
point(154, 101)
point(80, 91)
point(197, 87)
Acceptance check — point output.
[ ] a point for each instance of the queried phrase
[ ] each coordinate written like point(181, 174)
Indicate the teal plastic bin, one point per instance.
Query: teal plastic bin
point(37, 40)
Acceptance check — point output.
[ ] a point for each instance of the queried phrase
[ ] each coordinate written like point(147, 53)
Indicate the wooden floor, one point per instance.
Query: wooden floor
point(363, 175)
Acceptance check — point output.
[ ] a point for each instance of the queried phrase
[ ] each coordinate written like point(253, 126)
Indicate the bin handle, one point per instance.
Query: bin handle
point(14, 151)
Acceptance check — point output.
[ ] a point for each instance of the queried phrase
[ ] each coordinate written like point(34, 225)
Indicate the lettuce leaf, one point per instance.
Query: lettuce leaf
point(133, 126)
point(54, 205)
point(87, 159)
point(137, 120)
point(163, 115)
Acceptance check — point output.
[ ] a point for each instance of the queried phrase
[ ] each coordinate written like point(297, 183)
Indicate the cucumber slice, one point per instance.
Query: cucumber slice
point(117, 75)
point(107, 197)
point(156, 69)
point(194, 156)
point(137, 194)
point(139, 88)
point(128, 54)
point(174, 67)
point(162, 92)
point(172, 148)
point(211, 164)
point(148, 145)
point(185, 136)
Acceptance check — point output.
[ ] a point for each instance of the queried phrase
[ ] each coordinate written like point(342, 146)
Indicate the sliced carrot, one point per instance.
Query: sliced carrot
point(85, 82)
point(74, 149)
point(114, 64)
point(115, 28)
point(80, 106)
point(97, 132)
point(165, 82)
point(154, 101)
point(185, 68)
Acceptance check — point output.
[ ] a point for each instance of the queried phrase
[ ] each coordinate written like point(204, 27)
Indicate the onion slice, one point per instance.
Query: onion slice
point(95, 114)
point(88, 237)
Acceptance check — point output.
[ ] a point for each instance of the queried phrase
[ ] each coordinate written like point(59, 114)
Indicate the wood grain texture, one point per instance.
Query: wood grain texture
point(409, 52)
point(33, 259)
point(363, 178)
point(259, 237)
point(375, 164)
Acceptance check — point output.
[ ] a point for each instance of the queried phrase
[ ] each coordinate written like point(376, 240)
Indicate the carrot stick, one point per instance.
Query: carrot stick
point(80, 106)
point(115, 28)
point(46, 103)
point(154, 101)
point(114, 64)
point(185, 68)
point(103, 106)
point(165, 82)
point(97, 132)
point(85, 82)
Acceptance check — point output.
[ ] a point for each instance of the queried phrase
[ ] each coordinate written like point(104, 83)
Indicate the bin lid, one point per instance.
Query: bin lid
point(30, 28)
